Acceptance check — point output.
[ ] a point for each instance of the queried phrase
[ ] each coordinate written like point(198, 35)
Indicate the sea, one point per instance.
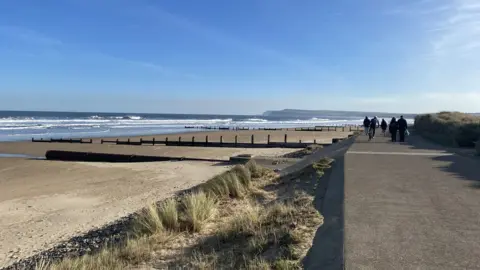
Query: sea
point(25, 125)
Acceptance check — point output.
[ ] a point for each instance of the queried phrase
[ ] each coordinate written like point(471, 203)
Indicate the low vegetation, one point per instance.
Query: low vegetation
point(449, 128)
point(304, 152)
point(246, 218)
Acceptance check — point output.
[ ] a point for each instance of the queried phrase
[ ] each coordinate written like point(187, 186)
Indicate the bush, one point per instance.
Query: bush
point(449, 128)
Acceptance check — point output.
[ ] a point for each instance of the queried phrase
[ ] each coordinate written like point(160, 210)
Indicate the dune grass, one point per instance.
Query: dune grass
point(449, 128)
point(272, 236)
point(169, 214)
point(243, 231)
point(197, 209)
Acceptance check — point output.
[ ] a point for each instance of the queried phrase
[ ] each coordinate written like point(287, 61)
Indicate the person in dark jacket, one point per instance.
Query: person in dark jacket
point(373, 125)
point(402, 128)
point(393, 128)
point(384, 125)
point(366, 125)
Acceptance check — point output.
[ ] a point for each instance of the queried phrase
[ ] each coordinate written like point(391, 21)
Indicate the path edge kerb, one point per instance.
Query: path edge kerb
point(329, 152)
point(328, 248)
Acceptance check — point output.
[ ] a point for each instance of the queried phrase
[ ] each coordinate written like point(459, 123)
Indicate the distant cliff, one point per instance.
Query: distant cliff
point(292, 113)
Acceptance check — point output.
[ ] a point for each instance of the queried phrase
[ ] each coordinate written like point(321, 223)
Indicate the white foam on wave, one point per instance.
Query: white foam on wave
point(23, 127)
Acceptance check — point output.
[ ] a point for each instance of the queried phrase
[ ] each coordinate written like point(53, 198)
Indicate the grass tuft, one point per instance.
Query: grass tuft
point(136, 251)
point(257, 264)
point(168, 213)
point(148, 221)
point(203, 261)
point(255, 170)
point(107, 259)
point(243, 174)
point(197, 209)
point(246, 222)
point(283, 264)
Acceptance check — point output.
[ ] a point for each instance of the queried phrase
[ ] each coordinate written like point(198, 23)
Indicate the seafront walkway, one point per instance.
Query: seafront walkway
point(409, 205)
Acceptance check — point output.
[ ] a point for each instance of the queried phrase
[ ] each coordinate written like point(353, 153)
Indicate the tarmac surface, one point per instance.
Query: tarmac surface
point(409, 205)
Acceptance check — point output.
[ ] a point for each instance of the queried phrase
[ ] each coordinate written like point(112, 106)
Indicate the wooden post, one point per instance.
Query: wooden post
point(128, 140)
point(328, 128)
point(206, 140)
point(117, 140)
point(268, 139)
point(253, 139)
point(193, 140)
point(71, 140)
point(179, 139)
point(314, 141)
point(343, 128)
point(350, 128)
point(101, 141)
point(141, 141)
point(153, 141)
point(32, 139)
point(91, 141)
point(221, 139)
point(300, 141)
point(166, 140)
point(285, 138)
point(236, 140)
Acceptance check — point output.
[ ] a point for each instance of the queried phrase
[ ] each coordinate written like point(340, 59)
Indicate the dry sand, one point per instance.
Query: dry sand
point(44, 202)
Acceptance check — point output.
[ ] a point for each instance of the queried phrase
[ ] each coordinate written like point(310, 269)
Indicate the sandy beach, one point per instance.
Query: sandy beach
point(39, 149)
point(44, 202)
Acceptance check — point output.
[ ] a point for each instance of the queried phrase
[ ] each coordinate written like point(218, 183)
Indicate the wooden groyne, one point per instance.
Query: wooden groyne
point(334, 128)
point(230, 128)
point(202, 142)
point(63, 140)
point(103, 157)
point(317, 128)
point(205, 142)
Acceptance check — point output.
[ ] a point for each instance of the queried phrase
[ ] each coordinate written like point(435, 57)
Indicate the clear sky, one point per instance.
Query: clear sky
point(239, 56)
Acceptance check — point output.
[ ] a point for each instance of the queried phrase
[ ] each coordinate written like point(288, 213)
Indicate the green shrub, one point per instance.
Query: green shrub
point(449, 128)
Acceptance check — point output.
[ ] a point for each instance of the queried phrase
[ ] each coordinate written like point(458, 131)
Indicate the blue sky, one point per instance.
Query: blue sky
point(248, 56)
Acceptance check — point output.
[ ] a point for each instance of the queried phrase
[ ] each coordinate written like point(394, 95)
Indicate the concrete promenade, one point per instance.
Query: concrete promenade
point(409, 206)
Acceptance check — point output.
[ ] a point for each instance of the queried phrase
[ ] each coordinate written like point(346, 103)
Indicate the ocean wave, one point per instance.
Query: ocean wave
point(22, 127)
point(260, 120)
point(133, 117)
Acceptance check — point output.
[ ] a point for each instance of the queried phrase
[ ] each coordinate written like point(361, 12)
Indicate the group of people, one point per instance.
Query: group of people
point(394, 126)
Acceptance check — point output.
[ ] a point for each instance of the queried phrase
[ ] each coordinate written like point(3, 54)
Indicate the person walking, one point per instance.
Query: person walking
point(402, 128)
point(392, 128)
point(373, 125)
point(366, 125)
point(384, 125)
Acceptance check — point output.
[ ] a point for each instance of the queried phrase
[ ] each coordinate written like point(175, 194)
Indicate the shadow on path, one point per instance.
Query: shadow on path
point(460, 164)
point(327, 250)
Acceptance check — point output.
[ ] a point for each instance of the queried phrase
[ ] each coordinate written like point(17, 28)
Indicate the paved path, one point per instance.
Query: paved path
point(410, 206)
